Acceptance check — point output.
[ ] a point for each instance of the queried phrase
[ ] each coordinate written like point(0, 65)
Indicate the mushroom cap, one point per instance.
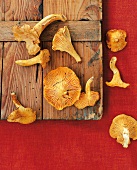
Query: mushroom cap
point(61, 87)
point(29, 35)
point(85, 100)
point(22, 115)
point(116, 39)
point(120, 123)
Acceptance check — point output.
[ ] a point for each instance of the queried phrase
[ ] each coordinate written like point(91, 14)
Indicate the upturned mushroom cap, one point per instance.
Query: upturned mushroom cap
point(31, 35)
point(116, 39)
point(61, 87)
point(116, 80)
point(62, 42)
point(123, 128)
point(21, 114)
point(87, 99)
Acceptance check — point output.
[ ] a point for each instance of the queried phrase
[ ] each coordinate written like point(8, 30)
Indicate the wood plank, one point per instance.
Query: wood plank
point(79, 30)
point(22, 80)
point(75, 10)
point(91, 53)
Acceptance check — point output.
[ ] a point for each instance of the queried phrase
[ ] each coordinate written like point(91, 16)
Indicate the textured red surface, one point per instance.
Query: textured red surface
point(82, 145)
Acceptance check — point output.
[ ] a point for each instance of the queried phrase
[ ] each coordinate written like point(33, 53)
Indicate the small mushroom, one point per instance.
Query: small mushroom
point(62, 42)
point(116, 39)
point(61, 87)
point(116, 80)
point(41, 58)
point(123, 128)
point(89, 98)
point(31, 35)
point(21, 115)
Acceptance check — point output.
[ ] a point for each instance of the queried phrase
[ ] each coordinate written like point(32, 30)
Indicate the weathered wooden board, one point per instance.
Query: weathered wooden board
point(91, 53)
point(26, 82)
point(85, 28)
point(79, 30)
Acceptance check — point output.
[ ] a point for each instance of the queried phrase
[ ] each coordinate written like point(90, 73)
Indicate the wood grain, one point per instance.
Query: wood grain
point(26, 82)
point(2, 4)
point(75, 10)
point(22, 10)
point(79, 30)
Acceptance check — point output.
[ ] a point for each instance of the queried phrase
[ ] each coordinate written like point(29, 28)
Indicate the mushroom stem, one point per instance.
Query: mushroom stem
point(41, 58)
point(40, 26)
point(126, 137)
point(87, 87)
point(28, 62)
point(113, 66)
point(15, 100)
point(74, 54)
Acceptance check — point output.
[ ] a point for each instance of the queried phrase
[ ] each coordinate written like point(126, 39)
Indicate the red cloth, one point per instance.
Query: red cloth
point(83, 145)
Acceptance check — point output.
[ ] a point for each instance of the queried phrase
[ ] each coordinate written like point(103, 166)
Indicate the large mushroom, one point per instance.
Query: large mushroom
point(21, 114)
point(87, 98)
point(31, 35)
point(123, 128)
point(61, 87)
point(62, 42)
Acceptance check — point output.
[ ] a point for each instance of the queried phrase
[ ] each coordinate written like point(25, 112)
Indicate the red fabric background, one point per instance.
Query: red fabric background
point(82, 145)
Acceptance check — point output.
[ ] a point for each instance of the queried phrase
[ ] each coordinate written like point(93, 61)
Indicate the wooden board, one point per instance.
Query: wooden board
point(26, 82)
point(84, 18)
point(79, 30)
point(91, 53)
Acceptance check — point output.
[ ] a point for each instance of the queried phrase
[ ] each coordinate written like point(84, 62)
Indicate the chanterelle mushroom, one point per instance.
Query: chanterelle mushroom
point(123, 128)
point(61, 87)
point(62, 42)
point(21, 115)
point(31, 35)
point(87, 99)
point(116, 80)
point(41, 58)
point(116, 39)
